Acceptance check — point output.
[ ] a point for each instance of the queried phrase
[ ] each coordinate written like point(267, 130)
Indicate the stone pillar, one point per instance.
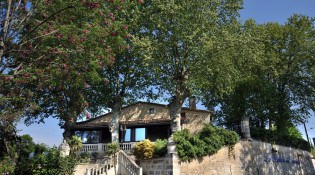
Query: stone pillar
point(174, 160)
point(171, 146)
point(176, 165)
point(64, 149)
point(245, 129)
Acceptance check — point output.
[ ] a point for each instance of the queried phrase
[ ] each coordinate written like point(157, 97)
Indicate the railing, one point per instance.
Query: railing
point(102, 168)
point(127, 147)
point(89, 148)
point(102, 147)
point(128, 164)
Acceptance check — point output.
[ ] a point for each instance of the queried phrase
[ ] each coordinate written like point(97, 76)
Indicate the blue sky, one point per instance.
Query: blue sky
point(260, 10)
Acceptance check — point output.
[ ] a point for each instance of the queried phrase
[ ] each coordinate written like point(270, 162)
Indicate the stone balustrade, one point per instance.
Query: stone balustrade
point(102, 168)
point(128, 166)
point(102, 147)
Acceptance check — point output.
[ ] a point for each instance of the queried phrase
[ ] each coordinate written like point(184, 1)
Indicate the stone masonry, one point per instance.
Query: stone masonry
point(246, 158)
point(252, 158)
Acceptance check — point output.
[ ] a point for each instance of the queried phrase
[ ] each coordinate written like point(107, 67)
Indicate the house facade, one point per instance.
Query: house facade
point(139, 121)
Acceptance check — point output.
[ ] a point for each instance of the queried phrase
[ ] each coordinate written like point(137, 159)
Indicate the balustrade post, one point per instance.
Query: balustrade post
point(99, 147)
point(140, 171)
point(87, 171)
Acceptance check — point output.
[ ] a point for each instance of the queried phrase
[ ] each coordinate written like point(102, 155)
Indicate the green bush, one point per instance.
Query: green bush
point(144, 150)
point(84, 157)
point(94, 154)
point(280, 138)
point(207, 142)
point(112, 148)
point(160, 147)
point(51, 163)
point(6, 165)
point(185, 149)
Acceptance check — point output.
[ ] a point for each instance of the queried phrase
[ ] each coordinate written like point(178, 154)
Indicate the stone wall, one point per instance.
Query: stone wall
point(252, 158)
point(196, 120)
point(161, 166)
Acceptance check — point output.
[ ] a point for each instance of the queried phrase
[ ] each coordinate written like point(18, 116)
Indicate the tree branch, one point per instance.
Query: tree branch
point(52, 15)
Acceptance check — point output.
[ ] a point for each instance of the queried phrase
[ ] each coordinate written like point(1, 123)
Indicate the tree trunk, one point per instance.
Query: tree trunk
point(68, 133)
point(175, 108)
point(114, 125)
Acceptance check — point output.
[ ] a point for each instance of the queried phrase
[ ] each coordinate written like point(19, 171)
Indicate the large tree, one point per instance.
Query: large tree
point(280, 89)
point(51, 51)
point(126, 79)
point(179, 31)
point(78, 43)
point(14, 98)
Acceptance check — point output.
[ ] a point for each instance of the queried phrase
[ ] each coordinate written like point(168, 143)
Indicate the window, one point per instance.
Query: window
point(140, 134)
point(90, 136)
point(128, 135)
point(151, 111)
point(135, 134)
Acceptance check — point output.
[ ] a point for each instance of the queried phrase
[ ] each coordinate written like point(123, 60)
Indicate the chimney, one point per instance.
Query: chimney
point(192, 102)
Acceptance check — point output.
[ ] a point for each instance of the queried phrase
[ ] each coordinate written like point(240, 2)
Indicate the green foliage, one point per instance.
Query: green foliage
point(207, 142)
point(280, 138)
point(184, 147)
point(45, 160)
point(74, 41)
point(313, 152)
point(75, 144)
point(26, 147)
point(40, 148)
point(160, 147)
point(84, 157)
point(52, 163)
point(183, 56)
point(144, 150)
point(112, 148)
point(7, 165)
point(94, 155)
point(270, 70)
point(294, 132)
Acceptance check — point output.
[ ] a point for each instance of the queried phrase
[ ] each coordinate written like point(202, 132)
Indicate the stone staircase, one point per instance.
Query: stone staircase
point(101, 166)
point(125, 165)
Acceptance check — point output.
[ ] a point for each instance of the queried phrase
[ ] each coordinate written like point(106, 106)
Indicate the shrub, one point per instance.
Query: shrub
point(227, 137)
point(52, 163)
point(184, 147)
point(112, 148)
point(160, 147)
point(94, 154)
point(144, 150)
point(207, 142)
point(280, 138)
point(84, 157)
point(6, 165)
point(75, 144)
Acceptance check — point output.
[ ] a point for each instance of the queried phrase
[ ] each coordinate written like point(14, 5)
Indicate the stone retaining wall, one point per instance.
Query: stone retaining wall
point(252, 158)
point(161, 166)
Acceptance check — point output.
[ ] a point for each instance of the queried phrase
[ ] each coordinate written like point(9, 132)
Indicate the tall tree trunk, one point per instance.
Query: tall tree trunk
point(114, 125)
point(68, 133)
point(175, 108)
